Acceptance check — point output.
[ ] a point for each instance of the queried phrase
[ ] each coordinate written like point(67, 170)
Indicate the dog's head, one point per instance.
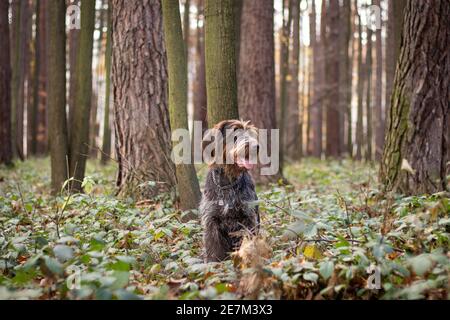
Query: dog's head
point(232, 144)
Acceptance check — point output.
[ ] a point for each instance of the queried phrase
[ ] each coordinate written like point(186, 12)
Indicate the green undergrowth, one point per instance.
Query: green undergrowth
point(331, 233)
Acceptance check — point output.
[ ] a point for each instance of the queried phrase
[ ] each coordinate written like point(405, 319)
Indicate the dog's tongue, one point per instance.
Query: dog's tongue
point(245, 164)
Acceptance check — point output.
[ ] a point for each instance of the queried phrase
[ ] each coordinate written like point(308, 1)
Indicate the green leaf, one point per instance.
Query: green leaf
point(326, 269)
point(63, 253)
point(310, 276)
point(421, 264)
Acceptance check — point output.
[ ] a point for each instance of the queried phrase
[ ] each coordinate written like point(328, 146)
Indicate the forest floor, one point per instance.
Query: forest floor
point(320, 237)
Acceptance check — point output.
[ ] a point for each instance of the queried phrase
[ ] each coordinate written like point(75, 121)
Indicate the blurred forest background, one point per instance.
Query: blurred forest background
point(361, 84)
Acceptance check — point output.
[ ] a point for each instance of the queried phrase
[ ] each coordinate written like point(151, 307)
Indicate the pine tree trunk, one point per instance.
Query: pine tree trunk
point(284, 74)
point(293, 130)
point(257, 70)
point(360, 93)
point(139, 74)
point(220, 52)
point(332, 79)
point(79, 126)
point(74, 47)
point(419, 117)
point(106, 144)
point(187, 183)
point(57, 127)
point(5, 87)
point(368, 76)
point(378, 105)
point(41, 85)
point(200, 101)
point(32, 112)
point(396, 11)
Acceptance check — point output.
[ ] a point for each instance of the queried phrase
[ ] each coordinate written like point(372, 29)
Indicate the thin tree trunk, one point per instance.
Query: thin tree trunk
point(220, 52)
point(79, 126)
point(334, 138)
point(106, 144)
point(284, 73)
point(57, 127)
point(419, 117)
point(187, 183)
point(360, 91)
point(74, 47)
point(200, 101)
point(5, 87)
point(378, 106)
point(293, 128)
point(393, 41)
point(41, 84)
point(368, 76)
point(139, 74)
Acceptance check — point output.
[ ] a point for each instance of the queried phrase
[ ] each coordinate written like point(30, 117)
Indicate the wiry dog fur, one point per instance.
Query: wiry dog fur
point(228, 209)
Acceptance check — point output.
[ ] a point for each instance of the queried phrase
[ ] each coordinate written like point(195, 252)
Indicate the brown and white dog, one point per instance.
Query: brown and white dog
point(228, 209)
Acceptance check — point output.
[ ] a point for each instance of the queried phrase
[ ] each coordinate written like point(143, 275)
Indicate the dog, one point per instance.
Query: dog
point(228, 207)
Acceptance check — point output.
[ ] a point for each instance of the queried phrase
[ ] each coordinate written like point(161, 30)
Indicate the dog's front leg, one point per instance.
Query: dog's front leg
point(216, 245)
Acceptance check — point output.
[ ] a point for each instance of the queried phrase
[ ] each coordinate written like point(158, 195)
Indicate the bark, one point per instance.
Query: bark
point(333, 118)
point(378, 103)
point(284, 73)
point(74, 46)
point(360, 92)
point(368, 76)
point(220, 52)
point(139, 74)
point(187, 28)
point(418, 119)
point(200, 101)
point(293, 124)
point(106, 144)
point(257, 70)
point(57, 127)
point(79, 126)
point(41, 80)
point(396, 10)
point(187, 182)
point(5, 87)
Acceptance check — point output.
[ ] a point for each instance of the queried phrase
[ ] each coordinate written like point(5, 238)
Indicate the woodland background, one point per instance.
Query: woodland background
point(91, 207)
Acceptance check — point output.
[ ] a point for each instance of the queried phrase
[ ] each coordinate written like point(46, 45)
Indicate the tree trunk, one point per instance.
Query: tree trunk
point(74, 47)
point(293, 140)
point(57, 127)
point(257, 70)
point(378, 107)
point(419, 116)
point(41, 84)
point(360, 93)
point(220, 52)
point(200, 101)
point(5, 87)
point(106, 144)
point(187, 183)
point(332, 79)
point(284, 73)
point(368, 76)
point(139, 74)
point(396, 11)
point(79, 126)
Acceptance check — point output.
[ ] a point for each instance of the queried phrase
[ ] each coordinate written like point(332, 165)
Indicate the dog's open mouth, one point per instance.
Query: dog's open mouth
point(245, 163)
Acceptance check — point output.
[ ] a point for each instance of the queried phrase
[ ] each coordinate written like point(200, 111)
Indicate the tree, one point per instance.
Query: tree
point(284, 74)
point(139, 74)
point(393, 41)
point(416, 155)
point(257, 69)
point(361, 75)
point(5, 87)
point(293, 136)
point(106, 144)
point(378, 105)
point(57, 126)
point(333, 118)
point(187, 183)
point(220, 55)
point(200, 101)
point(79, 125)
point(368, 80)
